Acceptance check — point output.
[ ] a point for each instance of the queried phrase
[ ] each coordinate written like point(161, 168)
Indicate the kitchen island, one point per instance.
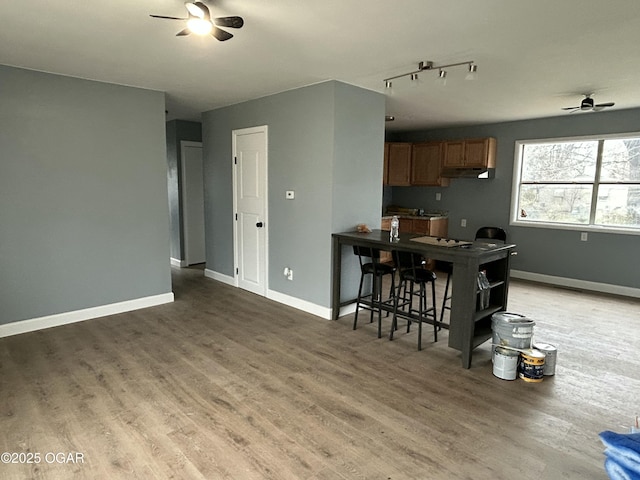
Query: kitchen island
point(469, 326)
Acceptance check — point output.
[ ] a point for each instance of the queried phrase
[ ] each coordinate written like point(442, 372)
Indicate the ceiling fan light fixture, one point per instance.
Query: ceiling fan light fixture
point(199, 26)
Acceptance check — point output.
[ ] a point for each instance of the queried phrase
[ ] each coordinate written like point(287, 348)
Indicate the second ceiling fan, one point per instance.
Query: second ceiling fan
point(199, 21)
point(588, 104)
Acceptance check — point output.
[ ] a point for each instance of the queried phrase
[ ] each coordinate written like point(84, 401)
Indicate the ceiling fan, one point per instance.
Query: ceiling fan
point(588, 104)
point(199, 21)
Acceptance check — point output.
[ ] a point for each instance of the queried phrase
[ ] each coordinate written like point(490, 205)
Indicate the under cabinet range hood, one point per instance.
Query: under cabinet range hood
point(468, 172)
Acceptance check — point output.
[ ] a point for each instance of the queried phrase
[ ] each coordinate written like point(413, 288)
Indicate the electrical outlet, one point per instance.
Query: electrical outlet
point(463, 222)
point(584, 236)
point(438, 196)
point(288, 273)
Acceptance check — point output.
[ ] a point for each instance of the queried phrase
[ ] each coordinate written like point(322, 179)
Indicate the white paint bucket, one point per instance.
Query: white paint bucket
point(505, 363)
point(550, 354)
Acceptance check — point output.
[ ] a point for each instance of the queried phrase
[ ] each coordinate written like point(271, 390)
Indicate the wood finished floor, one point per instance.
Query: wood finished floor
point(222, 384)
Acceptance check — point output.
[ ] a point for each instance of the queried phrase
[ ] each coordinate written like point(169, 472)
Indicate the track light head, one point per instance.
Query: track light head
point(472, 73)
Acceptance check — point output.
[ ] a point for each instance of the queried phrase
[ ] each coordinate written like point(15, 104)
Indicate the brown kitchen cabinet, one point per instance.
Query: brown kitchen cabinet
point(434, 227)
point(426, 164)
point(439, 227)
point(406, 225)
point(453, 154)
point(421, 226)
point(470, 153)
point(397, 164)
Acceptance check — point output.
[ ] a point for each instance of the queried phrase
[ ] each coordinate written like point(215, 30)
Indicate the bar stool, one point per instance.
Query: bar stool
point(412, 274)
point(370, 264)
point(483, 233)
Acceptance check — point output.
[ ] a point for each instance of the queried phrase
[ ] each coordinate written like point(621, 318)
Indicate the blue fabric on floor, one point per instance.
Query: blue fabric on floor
point(618, 472)
point(623, 455)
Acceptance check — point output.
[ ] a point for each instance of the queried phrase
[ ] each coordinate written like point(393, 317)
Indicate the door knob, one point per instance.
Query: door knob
point(259, 224)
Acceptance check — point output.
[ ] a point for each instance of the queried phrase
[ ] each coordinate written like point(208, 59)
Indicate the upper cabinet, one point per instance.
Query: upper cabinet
point(470, 153)
point(408, 164)
point(433, 163)
point(397, 164)
point(426, 164)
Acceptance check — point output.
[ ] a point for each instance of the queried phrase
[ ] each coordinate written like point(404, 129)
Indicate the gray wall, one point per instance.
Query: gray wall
point(83, 194)
point(177, 131)
point(326, 144)
point(604, 258)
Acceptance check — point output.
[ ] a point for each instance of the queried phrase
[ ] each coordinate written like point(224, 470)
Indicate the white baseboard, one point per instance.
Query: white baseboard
point(176, 262)
point(347, 309)
point(303, 305)
point(40, 323)
point(579, 284)
point(220, 277)
point(312, 308)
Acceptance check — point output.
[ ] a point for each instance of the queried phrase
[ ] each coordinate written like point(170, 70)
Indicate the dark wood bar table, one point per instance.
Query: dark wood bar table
point(469, 326)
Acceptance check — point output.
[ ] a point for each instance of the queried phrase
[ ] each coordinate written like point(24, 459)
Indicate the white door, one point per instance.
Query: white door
point(193, 202)
point(250, 206)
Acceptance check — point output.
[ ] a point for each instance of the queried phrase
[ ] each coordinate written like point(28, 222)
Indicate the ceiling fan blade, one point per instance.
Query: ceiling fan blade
point(168, 18)
point(195, 10)
point(570, 108)
point(603, 105)
point(221, 34)
point(183, 33)
point(204, 9)
point(231, 22)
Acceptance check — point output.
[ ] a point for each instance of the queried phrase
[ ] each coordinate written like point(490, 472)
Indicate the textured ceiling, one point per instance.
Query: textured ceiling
point(533, 57)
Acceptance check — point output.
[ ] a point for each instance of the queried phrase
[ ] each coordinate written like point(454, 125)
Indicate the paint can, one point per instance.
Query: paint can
point(511, 330)
point(550, 355)
point(505, 363)
point(531, 366)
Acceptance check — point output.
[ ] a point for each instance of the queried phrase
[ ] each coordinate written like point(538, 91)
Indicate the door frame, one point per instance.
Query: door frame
point(234, 134)
point(183, 198)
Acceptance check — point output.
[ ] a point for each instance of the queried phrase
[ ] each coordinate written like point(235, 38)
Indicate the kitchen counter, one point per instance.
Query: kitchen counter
point(468, 327)
point(433, 224)
point(426, 216)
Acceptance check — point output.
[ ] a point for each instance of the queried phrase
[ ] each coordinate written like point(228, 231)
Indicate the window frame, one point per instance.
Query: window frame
point(514, 217)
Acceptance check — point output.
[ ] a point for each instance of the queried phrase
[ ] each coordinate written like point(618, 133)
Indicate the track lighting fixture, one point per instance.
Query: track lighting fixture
point(429, 66)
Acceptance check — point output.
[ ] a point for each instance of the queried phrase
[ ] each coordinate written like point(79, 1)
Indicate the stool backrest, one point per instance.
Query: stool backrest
point(367, 252)
point(491, 233)
point(407, 261)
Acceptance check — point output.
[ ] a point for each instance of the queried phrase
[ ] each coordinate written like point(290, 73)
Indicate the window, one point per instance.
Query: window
point(578, 183)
